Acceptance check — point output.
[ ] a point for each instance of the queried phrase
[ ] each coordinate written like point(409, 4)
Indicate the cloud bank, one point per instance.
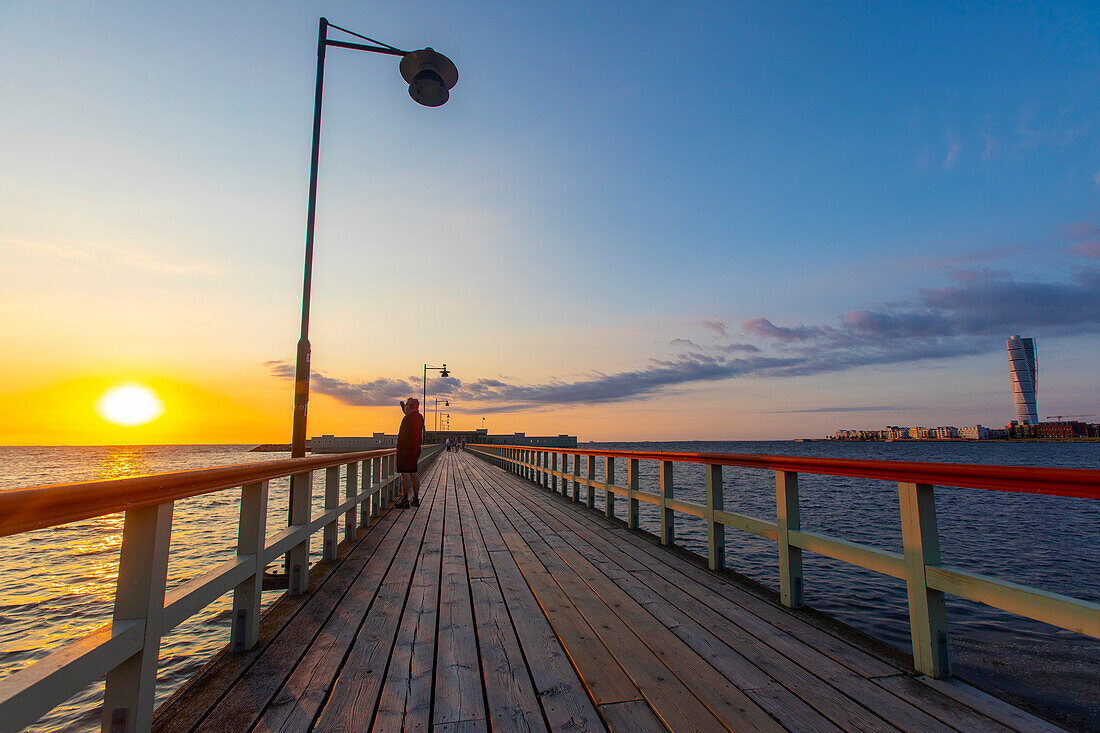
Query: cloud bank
point(970, 316)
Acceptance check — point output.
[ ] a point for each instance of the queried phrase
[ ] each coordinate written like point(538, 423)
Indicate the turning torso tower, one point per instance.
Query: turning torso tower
point(1024, 371)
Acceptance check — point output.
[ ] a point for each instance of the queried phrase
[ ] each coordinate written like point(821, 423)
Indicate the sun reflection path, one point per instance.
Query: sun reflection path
point(122, 461)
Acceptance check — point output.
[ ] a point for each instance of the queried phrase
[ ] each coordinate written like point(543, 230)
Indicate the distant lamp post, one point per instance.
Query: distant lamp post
point(431, 76)
point(445, 404)
point(442, 373)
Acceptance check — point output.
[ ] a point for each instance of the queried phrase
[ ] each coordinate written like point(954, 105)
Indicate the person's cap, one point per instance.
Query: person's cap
point(413, 404)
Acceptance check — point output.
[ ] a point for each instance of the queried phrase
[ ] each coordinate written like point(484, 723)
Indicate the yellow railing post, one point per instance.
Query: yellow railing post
point(668, 514)
point(142, 573)
point(927, 616)
point(790, 557)
point(716, 532)
point(251, 533)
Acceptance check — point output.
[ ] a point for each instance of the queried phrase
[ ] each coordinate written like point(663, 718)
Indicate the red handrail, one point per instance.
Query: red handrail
point(1083, 483)
point(48, 506)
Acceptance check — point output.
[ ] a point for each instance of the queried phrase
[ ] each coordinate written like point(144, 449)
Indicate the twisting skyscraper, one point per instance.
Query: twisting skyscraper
point(1024, 371)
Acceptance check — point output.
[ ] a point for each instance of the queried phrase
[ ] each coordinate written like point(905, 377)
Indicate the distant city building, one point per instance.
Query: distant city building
point(976, 432)
point(1024, 371)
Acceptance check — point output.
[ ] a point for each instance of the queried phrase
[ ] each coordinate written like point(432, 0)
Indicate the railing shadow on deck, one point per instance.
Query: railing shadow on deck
point(919, 565)
point(126, 649)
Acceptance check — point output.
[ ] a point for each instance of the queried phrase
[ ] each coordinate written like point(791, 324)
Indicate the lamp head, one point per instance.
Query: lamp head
point(430, 76)
point(444, 373)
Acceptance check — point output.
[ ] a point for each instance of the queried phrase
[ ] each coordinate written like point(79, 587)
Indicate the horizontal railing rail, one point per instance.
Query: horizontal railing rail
point(126, 649)
point(919, 565)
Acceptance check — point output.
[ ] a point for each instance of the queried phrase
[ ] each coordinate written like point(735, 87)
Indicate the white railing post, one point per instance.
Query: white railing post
point(366, 509)
point(716, 532)
point(297, 559)
point(590, 495)
point(332, 500)
point(787, 519)
point(553, 469)
point(546, 469)
point(927, 616)
point(631, 499)
point(608, 496)
point(378, 497)
point(668, 515)
point(351, 488)
point(576, 476)
point(142, 573)
point(244, 629)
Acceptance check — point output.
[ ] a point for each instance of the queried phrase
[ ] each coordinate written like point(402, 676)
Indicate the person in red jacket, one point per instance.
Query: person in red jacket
point(408, 452)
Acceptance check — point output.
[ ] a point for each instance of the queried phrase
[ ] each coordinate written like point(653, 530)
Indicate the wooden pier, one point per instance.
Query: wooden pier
point(499, 605)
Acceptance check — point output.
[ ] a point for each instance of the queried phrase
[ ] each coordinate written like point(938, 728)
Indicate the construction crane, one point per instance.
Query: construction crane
point(1059, 417)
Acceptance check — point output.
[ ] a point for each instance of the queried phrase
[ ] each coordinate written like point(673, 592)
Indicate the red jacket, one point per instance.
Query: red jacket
point(409, 436)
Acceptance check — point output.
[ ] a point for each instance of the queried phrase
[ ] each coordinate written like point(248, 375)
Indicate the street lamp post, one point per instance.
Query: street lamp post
point(430, 76)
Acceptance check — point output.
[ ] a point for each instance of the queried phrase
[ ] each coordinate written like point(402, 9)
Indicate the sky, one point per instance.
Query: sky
point(631, 221)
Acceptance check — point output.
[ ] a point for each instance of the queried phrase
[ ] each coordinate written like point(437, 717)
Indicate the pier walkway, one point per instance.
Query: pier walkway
point(498, 605)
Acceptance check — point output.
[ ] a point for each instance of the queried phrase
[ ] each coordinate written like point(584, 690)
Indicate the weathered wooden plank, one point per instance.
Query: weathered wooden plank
point(356, 691)
point(370, 608)
point(509, 692)
point(560, 692)
point(632, 717)
point(681, 572)
point(458, 694)
point(942, 707)
point(246, 700)
point(669, 696)
point(692, 621)
point(405, 702)
point(604, 679)
point(992, 707)
point(508, 689)
point(907, 713)
point(718, 694)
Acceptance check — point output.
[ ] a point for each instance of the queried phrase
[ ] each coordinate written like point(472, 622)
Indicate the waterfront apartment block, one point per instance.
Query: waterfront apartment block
point(341, 444)
point(1013, 431)
point(1024, 372)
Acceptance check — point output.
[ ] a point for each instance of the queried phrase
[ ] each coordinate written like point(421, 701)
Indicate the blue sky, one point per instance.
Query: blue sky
point(620, 199)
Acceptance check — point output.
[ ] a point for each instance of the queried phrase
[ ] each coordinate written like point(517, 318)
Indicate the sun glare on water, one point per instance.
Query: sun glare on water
point(129, 405)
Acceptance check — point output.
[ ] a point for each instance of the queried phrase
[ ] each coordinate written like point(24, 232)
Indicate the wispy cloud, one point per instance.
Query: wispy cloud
point(872, 408)
point(986, 255)
point(717, 326)
point(954, 145)
point(114, 256)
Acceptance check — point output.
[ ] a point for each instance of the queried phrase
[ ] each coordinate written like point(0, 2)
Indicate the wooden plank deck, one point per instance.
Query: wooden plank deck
point(498, 605)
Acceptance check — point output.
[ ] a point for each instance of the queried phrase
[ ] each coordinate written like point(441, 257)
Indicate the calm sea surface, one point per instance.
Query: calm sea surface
point(59, 582)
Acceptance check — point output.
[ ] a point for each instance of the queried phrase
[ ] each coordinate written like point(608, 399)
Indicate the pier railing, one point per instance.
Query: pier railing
point(126, 649)
point(926, 578)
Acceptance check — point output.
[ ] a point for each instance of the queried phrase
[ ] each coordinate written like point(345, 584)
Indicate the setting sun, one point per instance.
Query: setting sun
point(129, 405)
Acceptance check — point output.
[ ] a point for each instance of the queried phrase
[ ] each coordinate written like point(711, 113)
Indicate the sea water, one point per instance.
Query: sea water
point(59, 582)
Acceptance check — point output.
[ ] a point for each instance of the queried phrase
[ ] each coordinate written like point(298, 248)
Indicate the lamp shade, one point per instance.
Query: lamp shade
point(430, 76)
